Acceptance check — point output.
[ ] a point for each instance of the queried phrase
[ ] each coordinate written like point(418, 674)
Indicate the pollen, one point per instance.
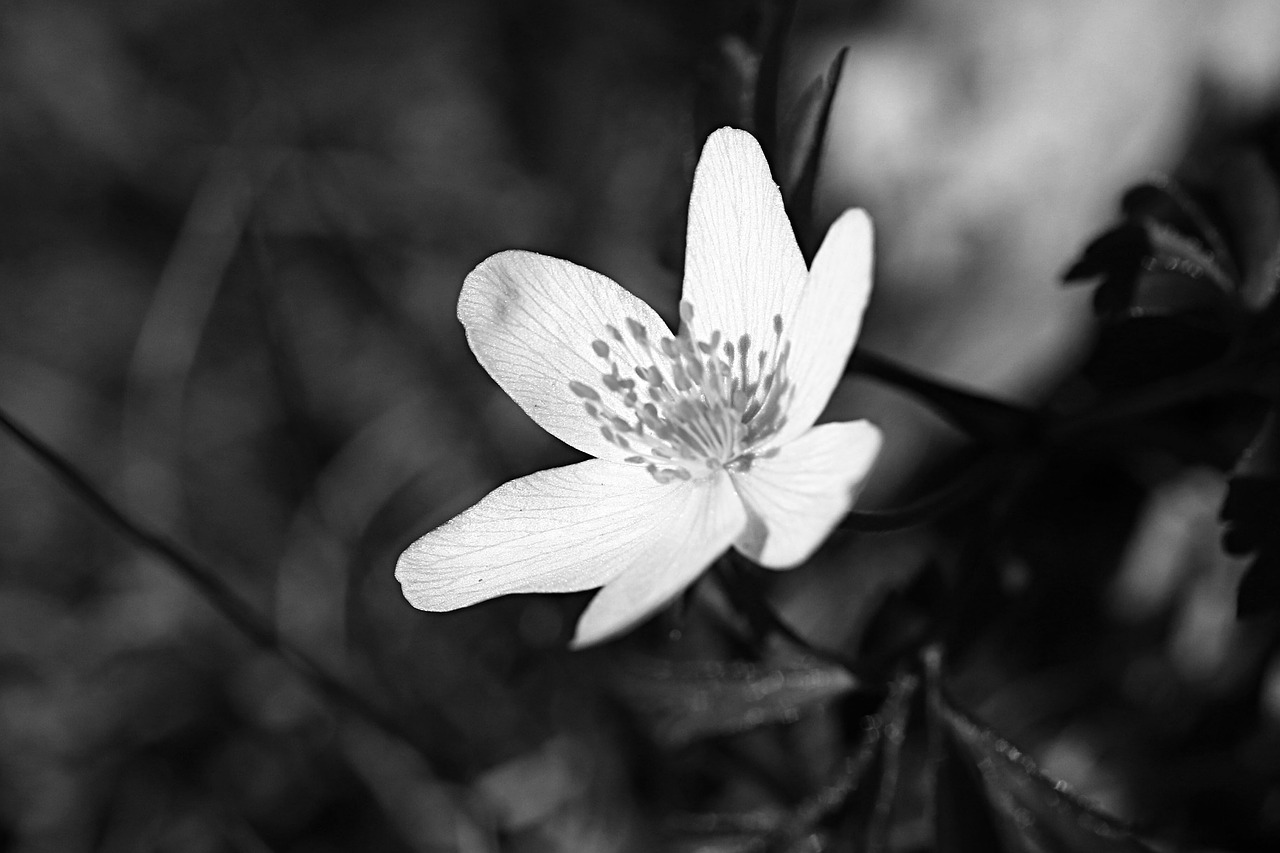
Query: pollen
point(696, 405)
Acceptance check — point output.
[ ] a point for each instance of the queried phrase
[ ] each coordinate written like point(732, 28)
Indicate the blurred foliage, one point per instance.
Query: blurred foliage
point(229, 259)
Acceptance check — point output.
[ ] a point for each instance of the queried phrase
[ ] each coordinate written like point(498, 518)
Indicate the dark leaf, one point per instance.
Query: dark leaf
point(1260, 587)
point(1249, 200)
point(682, 702)
point(1249, 513)
point(1150, 268)
point(1117, 257)
point(1217, 224)
point(1166, 201)
point(1027, 810)
point(800, 149)
point(780, 15)
point(1176, 254)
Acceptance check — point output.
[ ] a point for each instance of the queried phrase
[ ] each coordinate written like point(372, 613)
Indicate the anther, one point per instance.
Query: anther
point(694, 405)
point(584, 391)
point(638, 332)
point(686, 312)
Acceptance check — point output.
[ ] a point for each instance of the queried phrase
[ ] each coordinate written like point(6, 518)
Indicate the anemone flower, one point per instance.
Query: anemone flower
point(702, 440)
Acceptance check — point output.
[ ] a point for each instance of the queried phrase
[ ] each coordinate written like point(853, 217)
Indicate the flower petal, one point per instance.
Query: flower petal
point(710, 517)
point(825, 325)
point(560, 530)
point(794, 498)
point(742, 265)
point(531, 321)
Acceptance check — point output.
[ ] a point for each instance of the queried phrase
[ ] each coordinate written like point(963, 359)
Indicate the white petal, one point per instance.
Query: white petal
point(742, 265)
point(826, 322)
point(560, 530)
point(709, 520)
point(794, 498)
point(531, 321)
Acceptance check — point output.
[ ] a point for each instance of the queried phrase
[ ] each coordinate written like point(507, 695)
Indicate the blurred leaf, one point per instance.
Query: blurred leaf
point(529, 788)
point(963, 820)
point(721, 832)
point(682, 702)
point(1215, 227)
point(1026, 810)
point(716, 844)
point(1250, 512)
point(725, 79)
point(780, 14)
point(1168, 201)
point(1248, 196)
point(799, 155)
point(1159, 262)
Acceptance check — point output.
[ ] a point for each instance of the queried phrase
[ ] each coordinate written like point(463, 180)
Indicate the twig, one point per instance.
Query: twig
point(961, 490)
point(206, 580)
point(890, 720)
point(895, 733)
point(985, 418)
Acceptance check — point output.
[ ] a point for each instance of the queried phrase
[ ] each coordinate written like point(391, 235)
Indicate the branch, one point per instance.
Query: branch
point(238, 610)
point(888, 723)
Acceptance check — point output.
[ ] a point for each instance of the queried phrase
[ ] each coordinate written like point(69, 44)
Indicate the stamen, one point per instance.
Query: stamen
point(638, 332)
point(704, 407)
point(686, 312)
point(584, 391)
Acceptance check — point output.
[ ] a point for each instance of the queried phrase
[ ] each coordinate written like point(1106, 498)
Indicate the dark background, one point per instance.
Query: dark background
point(232, 235)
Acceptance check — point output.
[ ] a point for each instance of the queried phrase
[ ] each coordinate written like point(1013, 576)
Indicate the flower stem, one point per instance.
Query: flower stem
point(985, 418)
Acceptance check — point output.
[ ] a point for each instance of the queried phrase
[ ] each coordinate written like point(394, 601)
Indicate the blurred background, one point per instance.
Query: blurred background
point(231, 242)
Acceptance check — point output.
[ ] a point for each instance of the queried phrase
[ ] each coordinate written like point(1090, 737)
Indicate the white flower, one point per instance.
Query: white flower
point(703, 439)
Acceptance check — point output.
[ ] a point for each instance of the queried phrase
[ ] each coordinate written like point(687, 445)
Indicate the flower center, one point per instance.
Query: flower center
point(695, 405)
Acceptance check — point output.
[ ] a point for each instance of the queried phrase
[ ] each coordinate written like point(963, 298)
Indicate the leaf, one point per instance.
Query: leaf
point(800, 146)
point(1249, 513)
point(781, 14)
point(1168, 201)
point(1247, 194)
point(1217, 224)
point(1150, 267)
point(682, 702)
point(1028, 811)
